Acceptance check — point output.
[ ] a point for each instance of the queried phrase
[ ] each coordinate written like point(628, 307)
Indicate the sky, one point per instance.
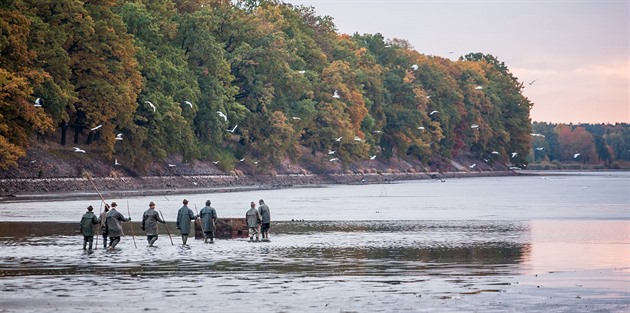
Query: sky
point(576, 51)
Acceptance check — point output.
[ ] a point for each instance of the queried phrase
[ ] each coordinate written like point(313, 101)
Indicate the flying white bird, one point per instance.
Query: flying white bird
point(427, 97)
point(473, 165)
point(242, 160)
point(331, 151)
point(189, 103)
point(373, 157)
point(538, 135)
point(514, 154)
point(495, 152)
point(256, 162)
point(151, 105)
point(215, 162)
point(378, 131)
point(474, 126)
point(421, 127)
point(302, 72)
point(76, 149)
point(532, 82)
point(119, 136)
point(338, 139)
point(233, 129)
point(336, 95)
point(116, 162)
point(576, 155)
point(334, 159)
point(38, 102)
point(415, 67)
point(296, 118)
point(97, 127)
point(540, 148)
point(433, 112)
point(357, 138)
point(171, 165)
point(222, 115)
point(486, 160)
point(478, 88)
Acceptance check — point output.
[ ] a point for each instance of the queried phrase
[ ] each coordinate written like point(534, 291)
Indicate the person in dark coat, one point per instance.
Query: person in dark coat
point(114, 226)
point(150, 218)
point(103, 224)
point(253, 219)
point(184, 216)
point(265, 214)
point(88, 220)
point(208, 217)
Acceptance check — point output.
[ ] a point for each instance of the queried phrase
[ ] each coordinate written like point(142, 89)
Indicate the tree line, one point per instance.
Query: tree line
point(223, 81)
point(607, 144)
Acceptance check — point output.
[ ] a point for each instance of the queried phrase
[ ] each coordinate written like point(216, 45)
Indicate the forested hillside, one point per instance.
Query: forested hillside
point(260, 82)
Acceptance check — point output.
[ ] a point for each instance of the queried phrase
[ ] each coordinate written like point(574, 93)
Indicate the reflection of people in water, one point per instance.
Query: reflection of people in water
point(150, 218)
point(253, 219)
point(208, 217)
point(184, 216)
point(265, 214)
point(88, 220)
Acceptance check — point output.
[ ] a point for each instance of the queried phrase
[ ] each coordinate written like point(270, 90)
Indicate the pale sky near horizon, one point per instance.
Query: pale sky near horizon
point(577, 51)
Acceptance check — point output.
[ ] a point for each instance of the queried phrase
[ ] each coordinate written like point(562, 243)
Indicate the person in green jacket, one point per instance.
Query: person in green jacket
point(208, 217)
point(88, 220)
point(150, 218)
point(184, 216)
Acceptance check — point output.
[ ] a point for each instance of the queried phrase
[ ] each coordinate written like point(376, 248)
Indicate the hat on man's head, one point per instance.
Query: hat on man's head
point(151, 203)
point(185, 201)
point(208, 202)
point(90, 208)
point(114, 204)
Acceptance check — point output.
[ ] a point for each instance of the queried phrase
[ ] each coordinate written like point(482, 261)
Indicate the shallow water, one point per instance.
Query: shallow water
point(553, 244)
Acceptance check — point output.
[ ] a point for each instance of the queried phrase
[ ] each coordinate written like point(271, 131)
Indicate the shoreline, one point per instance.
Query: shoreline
point(42, 189)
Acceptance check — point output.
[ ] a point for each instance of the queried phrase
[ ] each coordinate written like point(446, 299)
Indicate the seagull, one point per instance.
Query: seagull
point(302, 72)
point(373, 157)
point(189, 103)
point(151, 105)
point(296, 118)
point(486, 160)
point(334, 159)
point(242, 160)
point(538, 135)
point(76, 149)
point(514, 154)
point(171, 165)
point(336, 94)
point(97, 127)
point(331, 151)
point(38, 102)
point(256, 162)
point(576, 155)
point(540, 148)
point(532, 82)
point(473, 165)
point(478, 88)
point(474, 126)
point(427, 97)
point(378, 131)
point(495, 152)
point(233, 129)
point(116, 162)
point(433, 112)
point(356, 138)
point(415, 67)
point(222, 115)
point(215, 162)
point(119, 136)
point(338, 139)
point(421, 127)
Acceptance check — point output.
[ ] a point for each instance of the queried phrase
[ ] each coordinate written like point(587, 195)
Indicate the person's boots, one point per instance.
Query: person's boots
point(152, 241)
point(84, 244)
point(90, 245)
point(184, 239)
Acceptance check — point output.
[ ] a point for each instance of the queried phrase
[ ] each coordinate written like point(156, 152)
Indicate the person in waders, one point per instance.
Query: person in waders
point(184, 216)
point(265, 214)
point(208, 217)
point(253, 219)
point(114, 226)
point(150, 218)
point(88, 220)
point(103, 223)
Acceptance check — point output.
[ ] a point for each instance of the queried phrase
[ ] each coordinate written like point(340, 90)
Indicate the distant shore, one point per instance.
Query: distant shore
point(50, 188)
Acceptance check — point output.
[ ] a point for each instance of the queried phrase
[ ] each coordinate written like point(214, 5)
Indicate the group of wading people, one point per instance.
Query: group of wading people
point(110, 223)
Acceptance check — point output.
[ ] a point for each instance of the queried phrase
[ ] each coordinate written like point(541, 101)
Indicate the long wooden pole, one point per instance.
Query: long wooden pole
point(168, 232)
point(132, 235)
point(99, 193)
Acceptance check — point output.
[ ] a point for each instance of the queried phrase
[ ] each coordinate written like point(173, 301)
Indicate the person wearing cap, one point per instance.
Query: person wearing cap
point(150, 218)
point(103, 224)
point(208, 217)
point(184, 216)
point(114, 226)
point(88, 220)
point(265, 214)
point(253, 219)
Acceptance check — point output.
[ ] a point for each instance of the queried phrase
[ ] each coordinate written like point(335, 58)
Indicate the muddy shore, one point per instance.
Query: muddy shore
point(46, 188)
